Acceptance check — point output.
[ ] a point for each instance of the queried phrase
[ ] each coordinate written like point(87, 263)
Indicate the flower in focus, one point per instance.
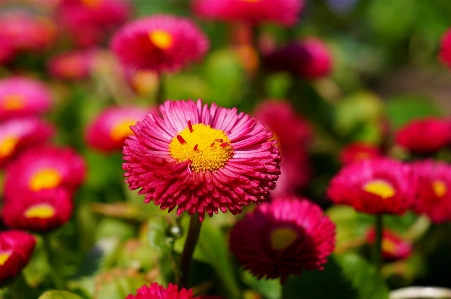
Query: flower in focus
point(201, 159)
point(374, 186)
point(39, 211)
point(444, 53)
point(72, 65)
point(309, 59)
point(160, 42)
point(109, 129)
point(253, 12)
point(156, 291)
point(16, 248)
point(89, 21)
point(433, 190)
point(357, 151)
point(45, 167)
point(424, 136)
point(293, 143)
point(18, 134)
point(393, 246)
point(283, 237)
point(21, 96)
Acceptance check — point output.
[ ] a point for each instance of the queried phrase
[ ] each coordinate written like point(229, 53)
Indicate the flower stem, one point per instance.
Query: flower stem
point(377, 246)
point(55, 273)
point(188, 250)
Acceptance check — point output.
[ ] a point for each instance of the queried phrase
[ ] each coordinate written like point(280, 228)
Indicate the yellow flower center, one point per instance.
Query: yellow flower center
point(282, 238)
point(380, 188)
point(4, 256)
point(206, 148)
point(7, 145)
point(47, 178)
point(439, 188)
point(13, 102)
point(122, 129)
point(43, 211)
point(389, 246)
point(161, 39)
point(91, 3)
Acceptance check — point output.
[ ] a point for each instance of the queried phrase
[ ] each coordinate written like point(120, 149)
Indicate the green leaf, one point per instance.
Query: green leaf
point(269, 288)
point(59, 295)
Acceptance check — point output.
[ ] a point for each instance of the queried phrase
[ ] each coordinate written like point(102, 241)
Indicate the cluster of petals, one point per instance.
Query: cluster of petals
point(157, 291)
point(18, 134)
point(89, 21)
point(308, 59)
point(374, 186)
point(72, 65)
point(246, 177)
point(357, 151)
point(424, 136)
point(22, 96)
point(16, 248)
point(160, 43)
point(433, 190)
point(393, 246)
point(107, 132)
point(444, 53)
point(293, 135)
point(253, 12)
point(283, 237)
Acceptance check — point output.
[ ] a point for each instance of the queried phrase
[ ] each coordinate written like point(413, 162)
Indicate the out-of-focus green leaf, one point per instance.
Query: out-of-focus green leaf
point(268, 288)
point(183, 86)
point(157, 235)
point(54, 294)
point(116, 228)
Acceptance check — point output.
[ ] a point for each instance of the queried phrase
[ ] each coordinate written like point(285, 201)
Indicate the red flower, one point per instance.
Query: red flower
point(16, 248)
point(73, 65)
point(156, 291)
point(393, 246)
point(285, 236)
point(444, 53)
point(374, 186)
point(358, 151)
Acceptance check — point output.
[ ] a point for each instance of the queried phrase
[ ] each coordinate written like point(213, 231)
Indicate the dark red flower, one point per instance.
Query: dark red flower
point(16, 248)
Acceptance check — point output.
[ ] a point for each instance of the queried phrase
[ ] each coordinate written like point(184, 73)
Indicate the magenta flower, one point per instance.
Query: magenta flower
point(393, 246)
point(253, 12)
point(72, 65)
point(283, 237)
point(21, 96)
point(444, 54)
point(201, 159)
point(374, 186)
point(107, 132)
point(156, 291)
point(357, 151)
point(160, 42)
point(16, 248)
point(20, 133)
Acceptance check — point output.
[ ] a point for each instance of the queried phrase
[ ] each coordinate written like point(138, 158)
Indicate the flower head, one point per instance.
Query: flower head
point(393, 246)
point(357, 151)
point(444, 53)
point(21, 96)
point(201, 159)
point(39, 211)
point(16, 248)
point(374, 186)
point(156, 291)
point(72, 65)
point(283, 237)
point(253, 12)
point(160, 42)
point(109, 129)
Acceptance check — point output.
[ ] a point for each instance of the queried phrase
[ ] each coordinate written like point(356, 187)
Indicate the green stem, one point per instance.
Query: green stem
point(55, 273)
point(377, 246)
point(188, 250)
point(19, 289)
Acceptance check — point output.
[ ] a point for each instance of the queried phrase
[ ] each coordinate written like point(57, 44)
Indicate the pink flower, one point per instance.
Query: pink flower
point(21, 96)
point(309, 59)
point(444, 53)
point(107, 132)
point(357, 151)
point(20, 133)
point(156, 291)
point(283, 237)
point(16, 248)
point(201, 159)
point(374, 186)
point(72, 65)
point(393, 246)
point(160, 42)
point(253, 12)
point(39, 211)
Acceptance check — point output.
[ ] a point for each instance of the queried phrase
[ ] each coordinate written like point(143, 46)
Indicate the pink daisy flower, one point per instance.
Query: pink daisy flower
point(295, 166)
point(433, 190)
point(40, 211)
point(72, 65)
point(160, 42)
point(107, 132)
point(16, 248)
point(201, 159)
point(374, 186)
point(309, 59)
point(424, 136)
point(156, 291)
point(393, 246)
point(283, 237)
point(444, 53)
point(253, 12)
point(357, 151)
point(21, 96)
point(45, 167)
point(20, 133)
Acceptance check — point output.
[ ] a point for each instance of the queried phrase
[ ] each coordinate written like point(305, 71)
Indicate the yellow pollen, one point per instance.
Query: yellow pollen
point(47, 178)
point(4, 256)
point(389, 246)
point(8, 145)
point(91, 3)
point(206, 148)
point(439, 188)
point(13, 102)
point(122, 129)
point(282, 238)
point(380, 188)
point(161, 39)
point(43, 211)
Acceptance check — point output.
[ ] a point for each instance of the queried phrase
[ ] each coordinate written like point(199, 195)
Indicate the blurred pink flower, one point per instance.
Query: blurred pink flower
point(157, 291)
point(357, 151)
point(444, 54)
point(393, 246)
point(72, 65)
point(16, 248)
